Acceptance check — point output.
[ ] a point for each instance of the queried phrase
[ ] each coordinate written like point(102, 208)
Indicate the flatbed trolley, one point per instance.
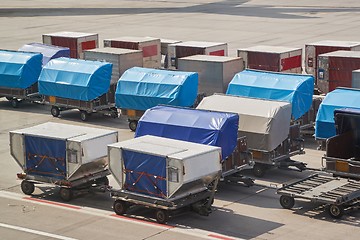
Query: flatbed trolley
point(339, 194)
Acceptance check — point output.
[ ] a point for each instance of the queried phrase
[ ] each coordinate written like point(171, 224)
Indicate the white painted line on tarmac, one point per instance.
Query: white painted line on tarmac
point(41, 233)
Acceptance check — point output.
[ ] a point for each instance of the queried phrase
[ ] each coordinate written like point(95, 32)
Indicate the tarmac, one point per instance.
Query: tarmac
point(239, 212)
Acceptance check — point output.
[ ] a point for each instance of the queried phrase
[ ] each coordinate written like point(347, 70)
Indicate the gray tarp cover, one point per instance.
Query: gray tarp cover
point(265, 123)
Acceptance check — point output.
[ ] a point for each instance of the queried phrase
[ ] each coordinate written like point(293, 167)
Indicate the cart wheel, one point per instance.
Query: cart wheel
point(287, 202)
point(14, 103)
point(335, 211)
point(66, 194)
point(27, 187)
point(133, 125)
point(55, 111)
point(258, 170)
point(84, 116)
point(9, 98)
point(162, 216)
point(120, 207)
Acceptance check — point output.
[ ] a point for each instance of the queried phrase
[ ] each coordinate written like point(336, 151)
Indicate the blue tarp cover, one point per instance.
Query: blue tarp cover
point(19, 69)
point(293, 88)
point(145, 173)
point(143, 88)
point(45, 157)
point(75, 79)
point(337, 99)
point(48, 51)
point(198, 126)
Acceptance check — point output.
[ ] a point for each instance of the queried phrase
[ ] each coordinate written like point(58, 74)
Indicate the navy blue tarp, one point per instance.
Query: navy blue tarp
point(296, 89)
point(192, 125)
point(45, 157)
point(75, 79)
point(48, 51)
point(19, 69)
point(145, 173)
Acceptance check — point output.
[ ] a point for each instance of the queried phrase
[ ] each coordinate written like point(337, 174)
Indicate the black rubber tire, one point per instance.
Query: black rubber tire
point(287, 202)
point(14, 103)
point(335, 211)
point(55, 111)
point(66, 194)
point(120, 207)
point(259, 170)
point(161, 216)
point(133, 125)
point(27, 187)
point(84, 116)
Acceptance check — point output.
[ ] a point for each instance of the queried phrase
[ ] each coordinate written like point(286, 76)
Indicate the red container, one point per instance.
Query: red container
point(335, 69)
point(76, 41)
point(313, 50)
point(272, 58)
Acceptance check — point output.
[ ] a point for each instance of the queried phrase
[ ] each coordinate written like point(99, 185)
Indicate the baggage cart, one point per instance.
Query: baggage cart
point(164, 174)
point(71, 157)
point(339, 194)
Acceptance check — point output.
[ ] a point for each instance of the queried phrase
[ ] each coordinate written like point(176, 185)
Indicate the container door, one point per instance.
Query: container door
point(144, 173)
point(264, 61)
point(66, 42)
point(73, 155)
point(340, 73)
point(45, 157)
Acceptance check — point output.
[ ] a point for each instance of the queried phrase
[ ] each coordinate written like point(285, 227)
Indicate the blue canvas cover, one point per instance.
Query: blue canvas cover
point(75, 79)
point(19, 69)
point(143, 88)
point(337, 99)
point(48, 51)
point(145, 173)
point(192, 125)
point(45, 157)
point(293, 88)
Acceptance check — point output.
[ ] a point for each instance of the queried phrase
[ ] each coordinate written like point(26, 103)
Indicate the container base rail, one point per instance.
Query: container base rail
point(339, 194)
point(86, 108)
point(133, 117)
point(199, 202)
point(15, 95)
point(68, 189)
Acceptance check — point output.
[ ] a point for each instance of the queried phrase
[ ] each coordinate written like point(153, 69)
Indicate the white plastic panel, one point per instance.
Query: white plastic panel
point(96, 148)
point(17, 148)
point(116, 164)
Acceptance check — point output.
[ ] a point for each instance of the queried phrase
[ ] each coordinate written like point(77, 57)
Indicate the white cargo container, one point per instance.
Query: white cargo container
point(150, 48)
point(215, 72)
point(190, 48)
point(122, 59)
point(272, 58)
point(65, 155)
point(355, 83)
point(76, 41)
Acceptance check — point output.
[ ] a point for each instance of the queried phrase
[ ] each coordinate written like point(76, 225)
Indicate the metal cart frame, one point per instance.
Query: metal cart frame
point(17, 95)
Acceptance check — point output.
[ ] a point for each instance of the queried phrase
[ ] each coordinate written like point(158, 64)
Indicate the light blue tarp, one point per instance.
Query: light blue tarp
point(192, 125)
point(143, 88)
point(48, 51)
point(19, 69)
point(75, 79)
point(337, 99)
point(293, 88)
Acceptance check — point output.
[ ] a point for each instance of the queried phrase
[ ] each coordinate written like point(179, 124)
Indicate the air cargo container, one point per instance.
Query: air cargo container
point(337, 99)
point(335, 69)
point(272, 58)
point(355, 83)
point(67, 83)
point(76, 41)
point(149, 46)
point(19, 73)
point(72, 157)
point(266, 125)
point(48, 51)
point(296, 89)
point(121, 59)
point(164, 174)
point(165, 51)
point(215, 72)
point(139, 89)
point(190, 48)
point(313, 50)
